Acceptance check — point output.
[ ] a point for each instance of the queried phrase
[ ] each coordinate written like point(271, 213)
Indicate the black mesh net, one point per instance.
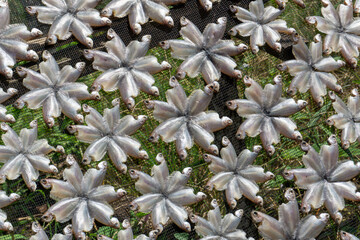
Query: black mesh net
point(261, 67)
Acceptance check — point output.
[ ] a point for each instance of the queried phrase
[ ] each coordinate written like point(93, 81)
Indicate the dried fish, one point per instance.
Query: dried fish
point(236, 174)
point(69, 18)
point(184, 120)
point(206, 52)
point(139, 11)
point(208, 4)
point(41, 234)
point(326, 180)
point(127, 234)
point(219, 228)
point(357, 6)
point(6, 201)
point(311, 70)
point(164, 195)
point(25, 155)
point(282, 3)
point(347, 118)
point(126, 68)
point(82, 198)
point(110, 134)
point(55, 90)
point(261, 25)
point(341, 30)
point(289, 225)
point(3, 97)
point(347, 236)
point(267, 113)
point(13, 44)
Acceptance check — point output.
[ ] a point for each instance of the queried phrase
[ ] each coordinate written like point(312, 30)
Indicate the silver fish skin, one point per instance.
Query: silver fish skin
point(347, 117)
point(54, 90)
point(311, 71)
point(267, 113)
point(126, 68)
point(204, 53)
point(208, 4)
point(282, 3)
point(347, 236)
point(110, 134)
point(3, 97)
point(185, 119)
point(41, 234)
point(218, 227)
point(82, 198)
point(4, 14)
point(357, 6)
point(140, 11)
point(25, 155)
point(164, 195)
point(261, 24)
point(341, 30)
point(127, 233)
point(289, 225)
point(6, 201)
point(236, 174)
point(327, 181)
point(69, 18)
point(13, 44)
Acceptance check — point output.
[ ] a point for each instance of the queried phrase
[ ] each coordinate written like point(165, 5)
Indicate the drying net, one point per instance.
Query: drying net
point(260, 67)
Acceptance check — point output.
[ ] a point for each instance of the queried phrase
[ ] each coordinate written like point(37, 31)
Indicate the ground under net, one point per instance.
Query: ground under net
point(261, 67)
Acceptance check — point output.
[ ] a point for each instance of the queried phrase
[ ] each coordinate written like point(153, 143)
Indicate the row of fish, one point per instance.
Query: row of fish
point(206, 53)
point(80, 16)
point(82, 198)
point(77, 18)
point(289, 225)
